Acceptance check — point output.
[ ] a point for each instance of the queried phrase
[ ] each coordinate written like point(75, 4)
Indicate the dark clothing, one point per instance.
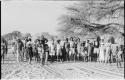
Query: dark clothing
point(20, 45)
point(75, 45)
point(67, 45)
point(46, 48)
point(43, 41)
point(67, 48)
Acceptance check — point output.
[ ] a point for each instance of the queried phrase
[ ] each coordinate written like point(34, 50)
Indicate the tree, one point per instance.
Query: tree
point(90, 17)
point(13, 35)
point(28, 35)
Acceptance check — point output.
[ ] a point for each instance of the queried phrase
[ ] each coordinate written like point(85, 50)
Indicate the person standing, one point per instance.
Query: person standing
point(101, 51)
point(83, 52)
point(46, 52)
point(118, 56)
point(25, 49)
point(43, 42)
point(40, 51)
point(62, 50)
point(75, 47)
point(108, 51)
point(72, 49)
point(87, 46)
point(58, 50)
point(113, 52)
point(19, 50)
point(35, 51)
point(13, 48)
point(96, 50)
point(29, 50)
point(90, 46)
point(67, 49)
point(78, 48)
point(52, 49)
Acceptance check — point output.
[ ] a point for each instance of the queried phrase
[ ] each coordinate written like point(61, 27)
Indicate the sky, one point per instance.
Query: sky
point(32, 16)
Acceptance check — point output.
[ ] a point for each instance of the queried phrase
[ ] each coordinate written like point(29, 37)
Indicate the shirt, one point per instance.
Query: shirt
point(67, 45)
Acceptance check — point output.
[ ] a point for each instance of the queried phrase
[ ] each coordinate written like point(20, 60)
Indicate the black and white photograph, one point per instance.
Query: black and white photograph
point(62, 40)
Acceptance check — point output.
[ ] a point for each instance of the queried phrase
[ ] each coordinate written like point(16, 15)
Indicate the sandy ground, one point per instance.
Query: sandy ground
point(81, 70)
point(67, 70)
point(12, 69)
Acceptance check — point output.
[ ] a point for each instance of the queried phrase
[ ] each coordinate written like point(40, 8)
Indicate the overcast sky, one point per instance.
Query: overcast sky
point(32, 16)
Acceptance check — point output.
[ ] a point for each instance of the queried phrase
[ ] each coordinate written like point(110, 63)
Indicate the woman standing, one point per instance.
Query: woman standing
point(101, 50)
point(108, 51)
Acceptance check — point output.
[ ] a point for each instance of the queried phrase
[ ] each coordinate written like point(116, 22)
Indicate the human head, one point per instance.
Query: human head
point(78, 39)
point(83, 43)
point(29, 39)
point(42, 36)
point(67, 39)
point(71, 38)
point(58, 41)
point(87, 41)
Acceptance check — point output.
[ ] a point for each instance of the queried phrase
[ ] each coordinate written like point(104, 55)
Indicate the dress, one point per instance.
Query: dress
point(82, 51)
point(108, 50)
point(52, 50)
point(101, 54)
point(72, 49)
point(59, 52)
point(40, 52)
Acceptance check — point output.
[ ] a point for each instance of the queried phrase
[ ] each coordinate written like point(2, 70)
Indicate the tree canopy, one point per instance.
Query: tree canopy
point(104, 16)
point(12, 35)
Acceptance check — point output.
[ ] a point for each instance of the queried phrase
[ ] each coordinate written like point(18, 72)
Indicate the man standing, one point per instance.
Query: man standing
point(78, 48)
point(25, 50)
point(72, 49)
point(19, 50)
point(29, 50)
point(96, 50)
point(87, 47)
point(67, 48)
point(43, 42)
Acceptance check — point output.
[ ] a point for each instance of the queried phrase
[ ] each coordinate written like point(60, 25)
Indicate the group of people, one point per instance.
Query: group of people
point(70, 49)
point(4, 48)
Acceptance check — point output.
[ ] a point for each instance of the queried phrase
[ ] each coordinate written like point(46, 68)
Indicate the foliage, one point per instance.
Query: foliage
point(12, 35)
point(104, 16)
